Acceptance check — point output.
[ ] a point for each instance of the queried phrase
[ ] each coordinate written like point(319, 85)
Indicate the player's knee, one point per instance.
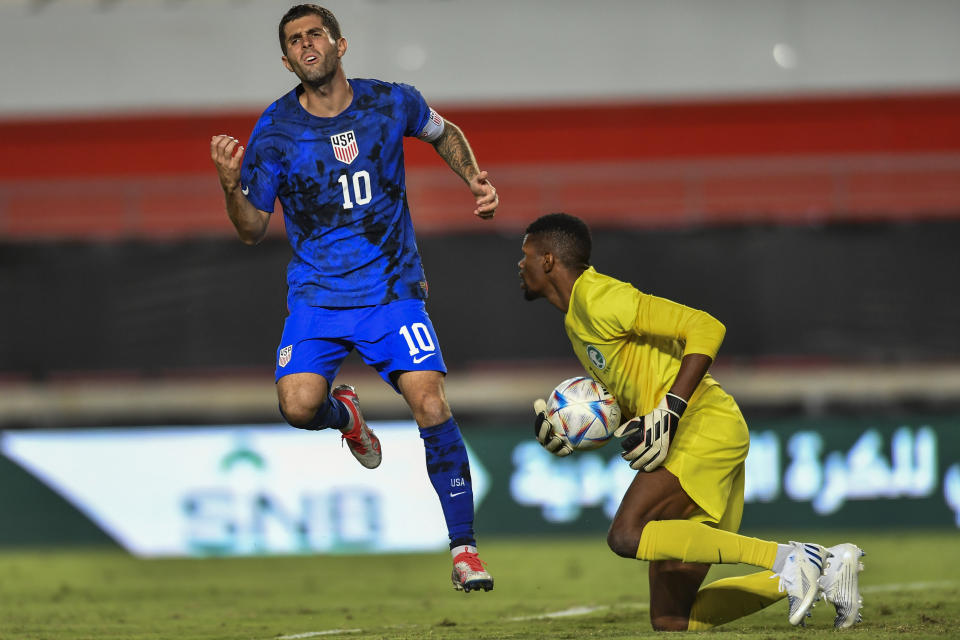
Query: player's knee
point(669, 623)
point(431, 410)
point(297, 415)
point(623, 540)
point(299, 404)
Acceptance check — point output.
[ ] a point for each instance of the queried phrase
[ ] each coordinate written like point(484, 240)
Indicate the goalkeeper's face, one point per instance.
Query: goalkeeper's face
point(533, 278)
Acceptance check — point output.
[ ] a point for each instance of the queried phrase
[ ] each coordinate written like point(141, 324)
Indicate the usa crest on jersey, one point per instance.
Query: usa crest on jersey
point(345, 146)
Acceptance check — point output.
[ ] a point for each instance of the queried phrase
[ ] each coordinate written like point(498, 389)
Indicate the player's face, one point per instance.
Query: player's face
point(533, 279)
point(312, 54)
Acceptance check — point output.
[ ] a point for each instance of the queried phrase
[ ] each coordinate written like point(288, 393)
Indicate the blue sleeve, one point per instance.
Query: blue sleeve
point(415, 110)
point(260, 173)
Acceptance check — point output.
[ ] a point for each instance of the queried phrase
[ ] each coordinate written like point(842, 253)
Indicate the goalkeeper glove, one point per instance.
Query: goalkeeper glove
point(648, 437)
point(547, 433)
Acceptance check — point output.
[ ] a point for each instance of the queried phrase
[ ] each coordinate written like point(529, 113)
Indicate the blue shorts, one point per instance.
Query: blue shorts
point(391, 338)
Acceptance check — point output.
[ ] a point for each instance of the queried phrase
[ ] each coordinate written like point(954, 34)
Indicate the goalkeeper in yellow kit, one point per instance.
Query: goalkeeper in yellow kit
point(688, 443)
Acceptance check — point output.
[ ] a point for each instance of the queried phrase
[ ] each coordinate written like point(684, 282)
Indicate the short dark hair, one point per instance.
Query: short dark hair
point(301, 10)
point(568, 238)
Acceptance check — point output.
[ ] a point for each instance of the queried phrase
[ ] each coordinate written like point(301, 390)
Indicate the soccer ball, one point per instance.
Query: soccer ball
point(585, 412)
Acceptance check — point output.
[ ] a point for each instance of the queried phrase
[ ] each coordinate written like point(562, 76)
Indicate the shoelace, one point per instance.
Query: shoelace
point(471, 559)
point(784, 581)
point(783, 584)
point(355, 436)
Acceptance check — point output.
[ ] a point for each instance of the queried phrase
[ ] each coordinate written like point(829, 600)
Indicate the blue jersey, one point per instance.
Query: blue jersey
point(341, 184)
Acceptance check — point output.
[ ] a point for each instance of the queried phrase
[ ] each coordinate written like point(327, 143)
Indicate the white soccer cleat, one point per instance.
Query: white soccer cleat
point(800, 578)
point(362, 441)
point(469, 574)
point(840, 583)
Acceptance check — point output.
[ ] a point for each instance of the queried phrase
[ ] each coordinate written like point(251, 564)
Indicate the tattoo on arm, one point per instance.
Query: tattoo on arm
point(453, 147)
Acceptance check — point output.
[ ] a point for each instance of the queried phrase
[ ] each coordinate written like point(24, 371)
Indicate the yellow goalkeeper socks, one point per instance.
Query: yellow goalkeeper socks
point(696, 542)
point(731, 598)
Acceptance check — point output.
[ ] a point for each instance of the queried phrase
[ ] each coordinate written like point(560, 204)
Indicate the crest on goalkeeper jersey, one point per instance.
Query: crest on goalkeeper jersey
point(345, 146)
point(596, 357)
point(285, 354)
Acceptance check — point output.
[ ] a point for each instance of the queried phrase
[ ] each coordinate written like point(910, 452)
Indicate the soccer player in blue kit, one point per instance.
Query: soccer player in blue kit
point(331, 150)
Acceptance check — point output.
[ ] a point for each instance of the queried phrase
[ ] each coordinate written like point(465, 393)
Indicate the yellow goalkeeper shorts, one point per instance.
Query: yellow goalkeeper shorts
point(707, 455)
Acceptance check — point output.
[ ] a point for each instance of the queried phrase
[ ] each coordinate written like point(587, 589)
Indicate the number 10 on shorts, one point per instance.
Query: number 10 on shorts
point(418, 339)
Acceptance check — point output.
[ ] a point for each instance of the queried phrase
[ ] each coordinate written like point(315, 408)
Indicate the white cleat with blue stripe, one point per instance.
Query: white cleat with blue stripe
point(800, 578)
point(840, 583)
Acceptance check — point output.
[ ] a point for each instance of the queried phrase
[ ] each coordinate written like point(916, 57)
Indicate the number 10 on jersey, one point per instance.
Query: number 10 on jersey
point(417, 332)
point(361, 189)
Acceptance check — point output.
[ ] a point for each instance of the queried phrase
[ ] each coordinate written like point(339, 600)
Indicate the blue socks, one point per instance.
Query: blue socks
point(449, 471)
point(447, 466)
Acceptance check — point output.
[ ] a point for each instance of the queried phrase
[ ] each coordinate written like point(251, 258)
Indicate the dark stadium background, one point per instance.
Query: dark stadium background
point(821, 230)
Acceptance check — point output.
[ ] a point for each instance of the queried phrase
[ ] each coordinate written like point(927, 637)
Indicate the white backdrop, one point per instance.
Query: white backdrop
point(242, 489)
point(62, 56)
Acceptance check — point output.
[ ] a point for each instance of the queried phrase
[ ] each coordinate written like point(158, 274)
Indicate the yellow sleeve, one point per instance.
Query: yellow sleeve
point(609, 308)
point(633, 342)
point(699, 331)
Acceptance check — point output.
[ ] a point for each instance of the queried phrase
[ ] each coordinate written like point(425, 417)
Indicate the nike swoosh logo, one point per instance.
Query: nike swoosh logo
point(459, 493)
point(245, 191)
point(422, 358)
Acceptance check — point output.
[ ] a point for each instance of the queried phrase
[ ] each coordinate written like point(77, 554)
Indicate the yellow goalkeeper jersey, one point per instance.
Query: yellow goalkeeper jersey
point(633, 342)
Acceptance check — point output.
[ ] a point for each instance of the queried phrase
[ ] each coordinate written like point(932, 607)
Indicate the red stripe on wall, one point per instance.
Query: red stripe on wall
point(645, 164)
point(877, 124)
point(178, 144)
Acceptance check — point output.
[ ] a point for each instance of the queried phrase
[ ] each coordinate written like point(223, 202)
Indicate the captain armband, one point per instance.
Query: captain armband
point(433, 129)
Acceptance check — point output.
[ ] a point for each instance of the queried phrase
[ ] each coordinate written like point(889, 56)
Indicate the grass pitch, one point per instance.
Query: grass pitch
point(553, 588)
